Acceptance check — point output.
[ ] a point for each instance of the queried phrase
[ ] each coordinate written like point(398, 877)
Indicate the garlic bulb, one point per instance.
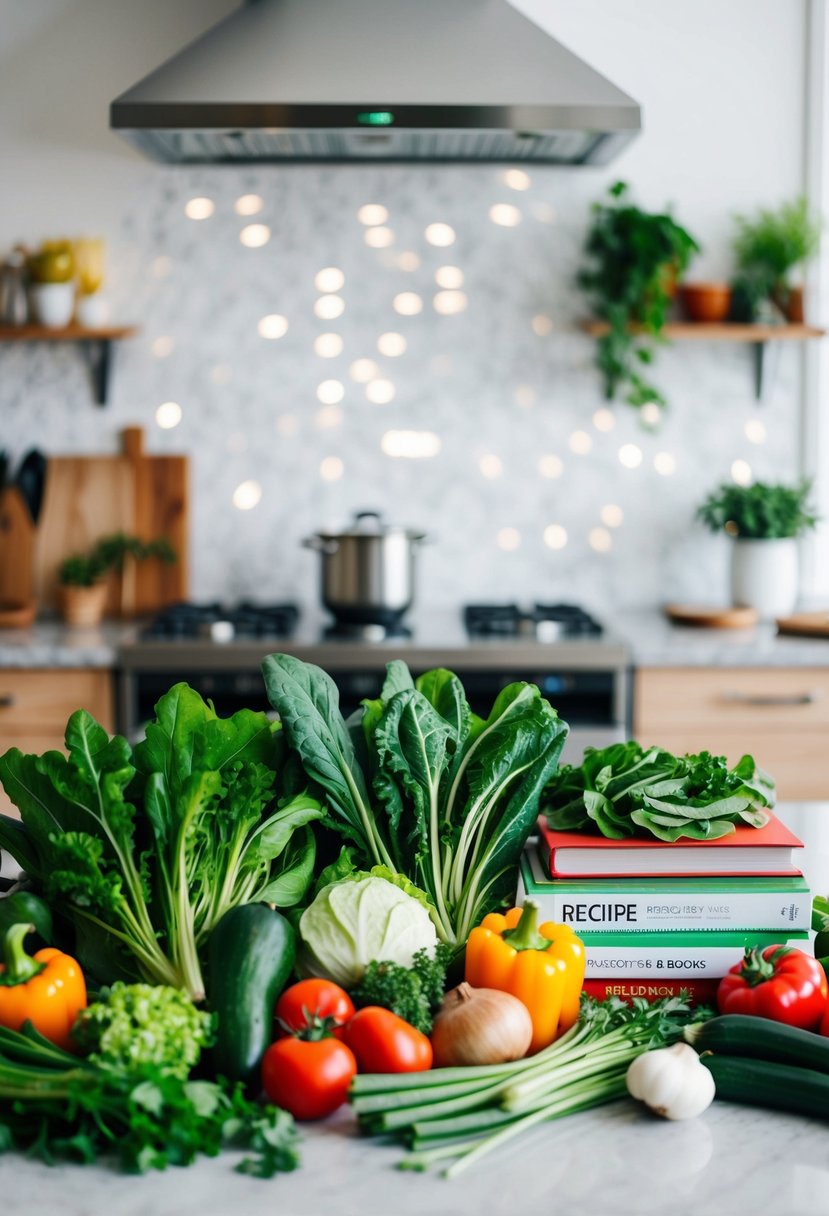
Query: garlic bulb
point(672, 1081)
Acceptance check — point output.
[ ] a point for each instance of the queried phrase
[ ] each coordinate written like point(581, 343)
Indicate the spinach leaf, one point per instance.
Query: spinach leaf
point(626, 790)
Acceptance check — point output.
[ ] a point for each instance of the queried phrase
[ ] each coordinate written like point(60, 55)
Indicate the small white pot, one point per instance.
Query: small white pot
point(53, 303)
point(764, 576)
point(92, 311)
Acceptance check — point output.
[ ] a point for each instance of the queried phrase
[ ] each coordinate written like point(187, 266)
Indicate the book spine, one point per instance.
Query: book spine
point(695, 991)
point(607, 912)
point(627, 962)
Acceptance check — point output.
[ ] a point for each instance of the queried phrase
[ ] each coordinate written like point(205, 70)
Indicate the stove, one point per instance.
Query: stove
point(545, 622)
point(218, 623)
point(218, 649)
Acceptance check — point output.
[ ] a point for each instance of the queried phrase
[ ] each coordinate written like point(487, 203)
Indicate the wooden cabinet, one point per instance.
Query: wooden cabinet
point(778, 714)
point(35, 707)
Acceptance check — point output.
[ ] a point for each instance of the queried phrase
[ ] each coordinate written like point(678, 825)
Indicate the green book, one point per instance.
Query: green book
point(773, 903)
point(705, 953)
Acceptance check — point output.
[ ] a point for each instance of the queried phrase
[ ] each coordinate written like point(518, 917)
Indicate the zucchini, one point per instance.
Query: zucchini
point(250, 955)
point(737, 1034)
point(762, 1083)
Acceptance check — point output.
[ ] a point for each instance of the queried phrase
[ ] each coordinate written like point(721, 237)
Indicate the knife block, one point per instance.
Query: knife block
point(17, 542)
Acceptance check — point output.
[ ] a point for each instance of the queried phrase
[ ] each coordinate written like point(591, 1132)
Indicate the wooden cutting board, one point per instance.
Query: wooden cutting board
point(806, 624)
point(87, 497)
point(711, 618)
point(17, 536)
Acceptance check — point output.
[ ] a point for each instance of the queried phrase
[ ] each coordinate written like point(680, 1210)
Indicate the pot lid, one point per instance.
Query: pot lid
point(370, 524)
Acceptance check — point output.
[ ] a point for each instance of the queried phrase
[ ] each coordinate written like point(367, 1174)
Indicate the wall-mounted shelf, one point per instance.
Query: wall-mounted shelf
point(96, 345)
point(757, 335)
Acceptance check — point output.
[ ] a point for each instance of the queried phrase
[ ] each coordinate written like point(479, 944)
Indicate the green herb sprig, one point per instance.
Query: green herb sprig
point(759, 511)
point(414, 993)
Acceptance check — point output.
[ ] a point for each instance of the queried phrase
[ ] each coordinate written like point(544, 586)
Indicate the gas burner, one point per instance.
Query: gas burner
point(349, 631)
point(217, 623)
point(545, 622)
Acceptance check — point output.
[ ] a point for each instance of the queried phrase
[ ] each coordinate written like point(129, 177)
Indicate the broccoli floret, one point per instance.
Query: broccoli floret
point(135, 1025)
point(413, 993)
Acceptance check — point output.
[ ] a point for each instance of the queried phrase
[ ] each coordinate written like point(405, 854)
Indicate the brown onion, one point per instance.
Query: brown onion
point(480, 1026)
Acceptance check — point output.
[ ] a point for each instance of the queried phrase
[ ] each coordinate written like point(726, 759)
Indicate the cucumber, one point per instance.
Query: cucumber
point(737, 1034)
point(762, 1083)
point(250, 955)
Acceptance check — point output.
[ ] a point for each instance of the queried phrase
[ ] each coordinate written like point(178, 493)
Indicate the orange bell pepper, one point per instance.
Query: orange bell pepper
point(543, 967)
point(47, 990)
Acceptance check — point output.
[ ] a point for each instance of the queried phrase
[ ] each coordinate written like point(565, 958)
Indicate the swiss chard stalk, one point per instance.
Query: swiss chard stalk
point(421, 785)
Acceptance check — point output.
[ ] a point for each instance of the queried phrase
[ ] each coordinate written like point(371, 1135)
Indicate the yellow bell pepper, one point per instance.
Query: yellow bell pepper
point(543, 967)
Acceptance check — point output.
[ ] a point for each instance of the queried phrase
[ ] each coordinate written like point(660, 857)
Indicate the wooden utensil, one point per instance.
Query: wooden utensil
point(711, 618)
point(806, 624)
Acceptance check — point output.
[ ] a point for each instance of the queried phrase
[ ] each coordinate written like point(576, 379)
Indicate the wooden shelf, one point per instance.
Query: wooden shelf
point(698, 331)
point(757, 336)
point(95, 343)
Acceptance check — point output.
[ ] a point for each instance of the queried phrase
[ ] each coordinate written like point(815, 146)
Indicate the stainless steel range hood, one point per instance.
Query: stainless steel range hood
point(453, 81)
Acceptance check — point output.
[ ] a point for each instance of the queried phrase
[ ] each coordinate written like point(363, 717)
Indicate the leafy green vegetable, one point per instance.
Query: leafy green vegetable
point(58, 1107)
point(414, 993)
point(147, 850)
point(358, 919)
point(422, 786)
point(628, 790)
point(133, 1026)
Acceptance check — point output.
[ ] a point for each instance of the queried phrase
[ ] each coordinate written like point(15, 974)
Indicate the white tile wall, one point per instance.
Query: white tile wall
point(503, 384)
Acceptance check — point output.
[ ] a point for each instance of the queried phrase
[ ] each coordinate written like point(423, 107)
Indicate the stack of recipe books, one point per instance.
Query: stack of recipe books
point(658, 917)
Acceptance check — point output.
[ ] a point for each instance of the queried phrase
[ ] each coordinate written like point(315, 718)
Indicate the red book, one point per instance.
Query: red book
point(695, 991)
point(766, 850)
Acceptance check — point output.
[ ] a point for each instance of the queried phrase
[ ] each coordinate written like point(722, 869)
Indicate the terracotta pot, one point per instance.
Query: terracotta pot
point(790, 302)
point(708, 303)
point(82, 607)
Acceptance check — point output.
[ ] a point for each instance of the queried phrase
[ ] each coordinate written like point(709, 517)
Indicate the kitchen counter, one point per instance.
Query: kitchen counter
point(619, 1160)
point(642, 639)
point(51, 644)
point(653, 641)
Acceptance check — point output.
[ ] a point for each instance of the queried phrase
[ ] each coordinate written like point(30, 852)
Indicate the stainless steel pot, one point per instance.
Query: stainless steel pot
point(367, 573)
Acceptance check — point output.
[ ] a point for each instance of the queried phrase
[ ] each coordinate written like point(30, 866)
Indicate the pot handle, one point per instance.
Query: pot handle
point(320, 545)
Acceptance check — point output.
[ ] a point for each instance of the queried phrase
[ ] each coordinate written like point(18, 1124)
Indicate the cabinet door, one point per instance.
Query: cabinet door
point(35, 707)
point(779, 715)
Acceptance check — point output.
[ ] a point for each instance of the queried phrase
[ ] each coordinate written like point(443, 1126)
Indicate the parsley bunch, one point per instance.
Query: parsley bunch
point(414, 993)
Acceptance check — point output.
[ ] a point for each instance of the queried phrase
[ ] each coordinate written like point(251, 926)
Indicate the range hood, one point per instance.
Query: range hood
point(453, 81)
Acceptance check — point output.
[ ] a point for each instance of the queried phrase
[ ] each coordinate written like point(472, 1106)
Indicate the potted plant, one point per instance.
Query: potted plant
point(765, 521)
point(82, 590)
point(83, 586)
point(52, 287)
point(768, 247)
point(635, 259)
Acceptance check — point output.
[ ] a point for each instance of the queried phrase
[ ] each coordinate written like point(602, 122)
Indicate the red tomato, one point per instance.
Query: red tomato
point(383, 1042)
point(308, 1078)
point(311, 999)
point(780, 983)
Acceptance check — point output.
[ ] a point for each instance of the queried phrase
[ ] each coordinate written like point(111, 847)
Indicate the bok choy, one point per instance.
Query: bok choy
point(420, 785)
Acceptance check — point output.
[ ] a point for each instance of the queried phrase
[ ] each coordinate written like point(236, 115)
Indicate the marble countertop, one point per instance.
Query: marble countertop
point(618, 1160)
point(648, 637)
point(654, 641)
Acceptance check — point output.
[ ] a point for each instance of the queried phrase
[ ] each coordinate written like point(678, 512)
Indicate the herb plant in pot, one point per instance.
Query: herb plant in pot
point(83, 586)
point(82, 590)
point(768, 247)
point(634, 260)
point(765, 521)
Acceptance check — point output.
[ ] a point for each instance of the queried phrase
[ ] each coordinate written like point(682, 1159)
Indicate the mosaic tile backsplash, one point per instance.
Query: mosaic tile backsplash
point(322, 341)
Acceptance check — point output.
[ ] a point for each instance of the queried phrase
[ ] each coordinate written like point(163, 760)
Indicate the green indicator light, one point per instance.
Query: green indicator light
point(375, 118)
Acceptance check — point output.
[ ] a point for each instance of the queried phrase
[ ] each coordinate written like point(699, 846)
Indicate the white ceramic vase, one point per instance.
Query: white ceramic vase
point(53, 303)
point(764, 576)
point(92, 311)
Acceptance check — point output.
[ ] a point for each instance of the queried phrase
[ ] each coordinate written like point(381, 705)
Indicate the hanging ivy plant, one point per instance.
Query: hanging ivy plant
point(634, 261)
